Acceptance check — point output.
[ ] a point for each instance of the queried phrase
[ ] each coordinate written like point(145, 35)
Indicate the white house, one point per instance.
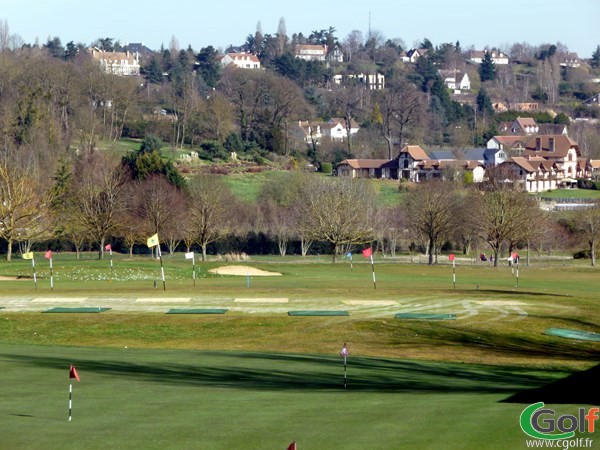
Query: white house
point(499, 58)
point(311, 52)
point(117, 63)
point(455, 80)
point(373, 82)
point(335, 129)
point(241, 60)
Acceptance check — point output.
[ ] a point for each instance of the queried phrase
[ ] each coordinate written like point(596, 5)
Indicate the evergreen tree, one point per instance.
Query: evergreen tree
point(487, 69)
point(595, 62)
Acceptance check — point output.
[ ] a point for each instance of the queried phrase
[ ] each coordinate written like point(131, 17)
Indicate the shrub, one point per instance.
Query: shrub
point(326, 167)
point(582, 254)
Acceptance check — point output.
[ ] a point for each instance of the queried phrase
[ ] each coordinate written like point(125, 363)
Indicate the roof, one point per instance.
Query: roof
point(364, 163)
point(510, 141)
point(595, 163)
point(562, 144)
point(301, 48)
point(521, 162)
point(335, 120)
point(442, 155)
point(525, 122)
point(244, 57)
point(415, 152)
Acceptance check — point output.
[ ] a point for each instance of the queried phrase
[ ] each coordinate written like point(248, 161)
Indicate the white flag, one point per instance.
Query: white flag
point(344, 351)
point(189, 255)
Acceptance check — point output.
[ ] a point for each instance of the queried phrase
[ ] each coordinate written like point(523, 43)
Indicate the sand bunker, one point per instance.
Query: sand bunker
point(243, 271)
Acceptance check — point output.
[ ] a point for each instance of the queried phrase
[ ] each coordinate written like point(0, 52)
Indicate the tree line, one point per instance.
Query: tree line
point(97, 199)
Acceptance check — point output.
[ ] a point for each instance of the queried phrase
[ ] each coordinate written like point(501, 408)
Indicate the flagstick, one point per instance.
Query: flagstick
point(454, 274)
point(162, 269)
point(34, 274)
point(350, 261)
point(70, 398)
point(373, 270)
point(111, 264)
point(194, 270)
point(345, 378)
point(517, 272)
point(51, 276)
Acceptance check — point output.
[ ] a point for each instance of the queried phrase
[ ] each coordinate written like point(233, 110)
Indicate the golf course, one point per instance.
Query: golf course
point(246, 354)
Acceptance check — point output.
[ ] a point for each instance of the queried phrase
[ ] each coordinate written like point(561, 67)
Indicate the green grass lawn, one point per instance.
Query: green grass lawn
point(256, 378)
point(136, 398)
point(571, 193)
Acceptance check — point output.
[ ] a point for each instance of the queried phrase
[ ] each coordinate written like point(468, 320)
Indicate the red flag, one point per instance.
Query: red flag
point(48, 254)
point(451, 257)
point(292, 446)
point(107, 247)
point(367, 252)
point(344, 351)
point(73, 373)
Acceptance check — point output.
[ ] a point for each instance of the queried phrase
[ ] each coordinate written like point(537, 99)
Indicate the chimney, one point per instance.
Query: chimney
point(538, 144)
point(551, 144)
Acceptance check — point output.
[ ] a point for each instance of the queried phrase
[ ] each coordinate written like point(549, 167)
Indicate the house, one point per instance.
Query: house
point(510, 144)
point(116, 63)
point(560, 149)
point(311, 52)
point(499, 58)
point(335, 129)
point(373, 82)
point(368, 168)
point(534, 175)
point(455, 80)
point(570, 60)
point(595, 168)
point(409, 159)
point(413, 54)
point(308, 132)
point(241, 60)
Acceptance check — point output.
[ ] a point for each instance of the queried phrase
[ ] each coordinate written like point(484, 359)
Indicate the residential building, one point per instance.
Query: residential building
point(373, 82)
point(311, 52)
point(455, 80)
point(368, 168)
point(413, 54)
point(117, 63)
point(335, 129)
point(499, 58)
point(241, 60)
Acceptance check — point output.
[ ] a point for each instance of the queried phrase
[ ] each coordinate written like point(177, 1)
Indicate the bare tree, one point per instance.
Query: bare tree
point(96, 197)
point(501, 212)
point(348, 99)
point(340, 211)
point(430, 209)
point(211, 207)
point(24, 205)
point(588, 226)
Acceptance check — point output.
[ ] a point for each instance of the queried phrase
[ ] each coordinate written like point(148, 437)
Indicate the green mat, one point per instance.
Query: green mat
point(423, 316)
point(198, 311)
point(573, 334)
point(318, 313)
point(76, 310)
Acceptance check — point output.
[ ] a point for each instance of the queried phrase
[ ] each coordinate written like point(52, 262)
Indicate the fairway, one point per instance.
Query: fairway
point(224, 365)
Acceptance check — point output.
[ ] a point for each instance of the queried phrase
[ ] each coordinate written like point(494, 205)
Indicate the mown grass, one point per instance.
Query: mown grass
point(171, 399)
point(263, 379)
point(571, 193)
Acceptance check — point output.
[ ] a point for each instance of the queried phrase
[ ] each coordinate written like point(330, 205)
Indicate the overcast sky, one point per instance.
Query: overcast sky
point(201, 23)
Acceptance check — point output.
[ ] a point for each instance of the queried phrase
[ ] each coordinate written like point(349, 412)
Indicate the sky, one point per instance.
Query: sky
point(200, 23)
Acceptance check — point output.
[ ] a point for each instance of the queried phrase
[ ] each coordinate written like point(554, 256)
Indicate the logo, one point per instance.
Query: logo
point(541, 423)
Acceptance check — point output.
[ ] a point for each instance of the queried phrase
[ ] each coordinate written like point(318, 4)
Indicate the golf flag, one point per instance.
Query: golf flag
point(73, 373)
point(153, 241)
point(292, 446)
point(451, 257)
point(189, 255)
point(108, 247)
point(367, 252)
point(28, 255)
point(344, 353)
point(349, 255)
point(48, 254)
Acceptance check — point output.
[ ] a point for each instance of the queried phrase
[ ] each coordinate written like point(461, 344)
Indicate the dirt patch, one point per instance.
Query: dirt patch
point(243, 271)
point(14, 278)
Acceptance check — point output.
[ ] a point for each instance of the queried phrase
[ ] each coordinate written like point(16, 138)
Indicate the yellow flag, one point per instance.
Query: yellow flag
point(153, 241)
point(28, 255)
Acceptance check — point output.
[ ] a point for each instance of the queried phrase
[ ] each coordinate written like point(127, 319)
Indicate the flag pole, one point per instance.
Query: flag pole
point(70, 398)
point(111, 262)
point(373, 270)
point(194, 270)
point(517, 271)
point(454, 273)
point(51, 275)
point(34, 274)
point(162, 269)
point(345, 373)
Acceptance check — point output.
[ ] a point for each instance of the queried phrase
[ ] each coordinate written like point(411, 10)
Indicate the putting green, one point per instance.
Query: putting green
point(318, 313)
point(76, 310)
point(423, 316)
point(198, 311)
point(573, 334)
